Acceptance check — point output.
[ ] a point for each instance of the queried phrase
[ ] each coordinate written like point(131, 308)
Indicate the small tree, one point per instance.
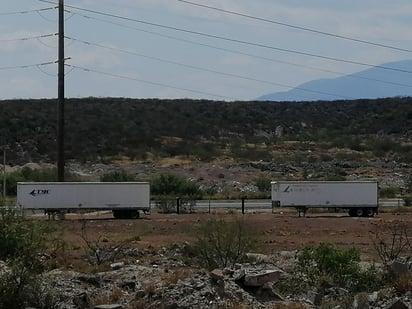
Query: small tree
point(167, 187)
point(263, 183)
point(21, 244)
point(101, 249)
point(392, 241)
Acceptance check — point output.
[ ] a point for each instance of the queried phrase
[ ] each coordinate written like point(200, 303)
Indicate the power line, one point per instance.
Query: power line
point(338, 36)
point(25, 66)
point(291, 51)
point(26, 12)
point(299, 65)
point(149, 82)
point(207, 70)
point(28, 38)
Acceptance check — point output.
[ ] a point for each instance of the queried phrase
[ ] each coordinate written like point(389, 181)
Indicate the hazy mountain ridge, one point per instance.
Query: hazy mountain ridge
point(372, 83)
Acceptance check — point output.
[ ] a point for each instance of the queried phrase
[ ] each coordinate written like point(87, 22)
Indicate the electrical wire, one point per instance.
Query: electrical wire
point(37, 37)
point(228, 39)
point(207, 70)
point(324, 33)
point(299, 65)
point(149, 82)
point(260, 45)
point(26, 12)
point(39, 67)
point(27, 66)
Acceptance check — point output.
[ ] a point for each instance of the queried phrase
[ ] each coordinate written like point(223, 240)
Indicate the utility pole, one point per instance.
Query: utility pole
point(4, 176)
point(60, 120)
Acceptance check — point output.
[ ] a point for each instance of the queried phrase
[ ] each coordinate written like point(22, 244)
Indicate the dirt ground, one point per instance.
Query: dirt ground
point(274, 232)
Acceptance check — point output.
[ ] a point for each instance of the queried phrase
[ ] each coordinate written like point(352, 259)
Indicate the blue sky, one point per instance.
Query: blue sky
point(122, 58)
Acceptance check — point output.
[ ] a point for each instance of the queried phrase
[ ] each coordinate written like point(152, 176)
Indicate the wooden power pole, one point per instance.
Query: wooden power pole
point(60, 120)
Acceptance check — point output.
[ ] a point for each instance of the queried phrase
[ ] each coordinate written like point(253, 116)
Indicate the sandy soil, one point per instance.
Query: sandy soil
point(274, 231)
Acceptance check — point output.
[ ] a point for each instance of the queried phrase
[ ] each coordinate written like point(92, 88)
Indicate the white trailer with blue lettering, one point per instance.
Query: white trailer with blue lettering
point(124, 199)
point(360, 198)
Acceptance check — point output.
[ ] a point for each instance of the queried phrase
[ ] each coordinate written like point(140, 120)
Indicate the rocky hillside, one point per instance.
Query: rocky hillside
point(101, 129)
point(224, 146)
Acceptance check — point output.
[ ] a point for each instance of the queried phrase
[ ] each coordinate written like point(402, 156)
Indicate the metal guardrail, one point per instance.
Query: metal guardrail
point(265, 204)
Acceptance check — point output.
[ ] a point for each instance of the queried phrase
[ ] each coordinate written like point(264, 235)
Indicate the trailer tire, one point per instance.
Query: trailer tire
point(121, 214)
point(352, 212)
point(359, 212)
point(369, 212)
point(134, 214)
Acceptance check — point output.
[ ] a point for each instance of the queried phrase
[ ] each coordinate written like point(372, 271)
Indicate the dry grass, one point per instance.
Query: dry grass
point(403, 283)
point(111, 297)
point(290, 305)
point(149, 288)
point(173, 277)
point(395, 210)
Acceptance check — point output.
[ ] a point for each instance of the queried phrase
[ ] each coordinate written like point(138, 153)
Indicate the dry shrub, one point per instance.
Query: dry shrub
point(149, 288)
point(173, 277)
point(101, 249)
point(138, 304)
point(403, 283)
point(221, 243)
point(392, 240)
point(395, 210)
point(113, 296)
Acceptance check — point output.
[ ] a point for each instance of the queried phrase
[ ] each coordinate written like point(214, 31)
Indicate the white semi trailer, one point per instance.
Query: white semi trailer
point(360, 198)
point(124, 199)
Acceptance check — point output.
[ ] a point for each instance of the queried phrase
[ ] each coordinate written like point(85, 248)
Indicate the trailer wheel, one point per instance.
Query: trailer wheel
point(359, 212)
point(369, 212)
point(134, 214)
point(352, 212)
point(120, 214)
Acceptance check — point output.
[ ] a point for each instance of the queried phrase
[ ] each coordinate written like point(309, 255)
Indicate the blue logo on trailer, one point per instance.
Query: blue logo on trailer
point(39, 192)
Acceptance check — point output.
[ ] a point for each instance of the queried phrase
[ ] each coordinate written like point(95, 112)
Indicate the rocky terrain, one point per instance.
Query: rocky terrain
point(166, 282)
point(145, 263)
point(232, 176)
point(225, 147)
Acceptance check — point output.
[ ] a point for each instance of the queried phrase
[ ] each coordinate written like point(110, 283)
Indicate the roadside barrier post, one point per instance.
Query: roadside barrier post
point(243, 205)
point(178, 205)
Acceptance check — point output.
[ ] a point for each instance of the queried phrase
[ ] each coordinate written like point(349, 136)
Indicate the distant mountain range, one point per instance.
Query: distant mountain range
point(372, 83)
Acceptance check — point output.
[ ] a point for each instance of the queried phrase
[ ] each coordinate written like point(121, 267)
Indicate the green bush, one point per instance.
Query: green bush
point(167, 188)
point(174, 185)
point(326, 265)
point(29, 174)
point(117, 176)
point(389, 192)
point(221, 243)
point(21, 244)
point(408, 200)
point(263, 183)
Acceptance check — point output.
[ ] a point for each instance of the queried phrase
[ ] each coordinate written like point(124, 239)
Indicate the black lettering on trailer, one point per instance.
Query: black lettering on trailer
point(36, 192)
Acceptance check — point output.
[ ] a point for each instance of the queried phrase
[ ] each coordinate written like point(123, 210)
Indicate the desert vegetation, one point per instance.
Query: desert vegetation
point(106, 129)
point(32, 250)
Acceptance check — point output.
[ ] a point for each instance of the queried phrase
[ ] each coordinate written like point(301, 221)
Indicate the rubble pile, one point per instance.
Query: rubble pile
point(165, 283)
